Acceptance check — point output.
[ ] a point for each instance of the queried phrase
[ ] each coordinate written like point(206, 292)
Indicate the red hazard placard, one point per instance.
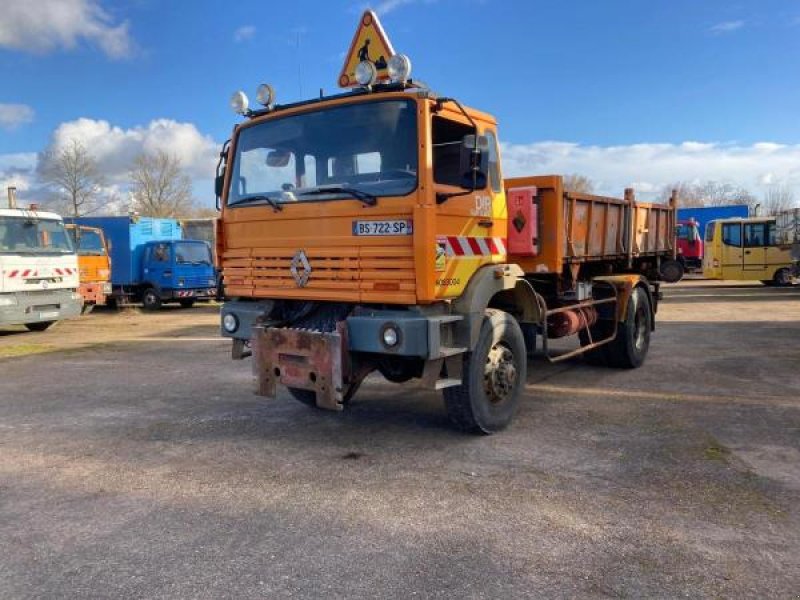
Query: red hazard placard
point(369, 43)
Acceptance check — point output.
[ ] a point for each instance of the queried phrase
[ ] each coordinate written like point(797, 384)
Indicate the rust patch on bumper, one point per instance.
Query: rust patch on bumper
point(300, 358)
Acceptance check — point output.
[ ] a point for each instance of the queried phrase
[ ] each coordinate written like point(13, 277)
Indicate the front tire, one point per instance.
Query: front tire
point(782, 278)
point(40, 326)
point(151, 300)
point(493, 377)
point(629, 348)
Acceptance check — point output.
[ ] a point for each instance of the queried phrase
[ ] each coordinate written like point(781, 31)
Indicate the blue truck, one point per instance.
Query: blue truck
point(151, 263)
point(702, 215)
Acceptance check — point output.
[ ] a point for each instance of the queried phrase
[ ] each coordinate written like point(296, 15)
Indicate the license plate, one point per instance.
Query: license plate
point(390, 227)
point(52, 314)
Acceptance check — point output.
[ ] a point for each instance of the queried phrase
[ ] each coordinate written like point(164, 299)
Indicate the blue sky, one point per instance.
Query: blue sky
point(578, 86)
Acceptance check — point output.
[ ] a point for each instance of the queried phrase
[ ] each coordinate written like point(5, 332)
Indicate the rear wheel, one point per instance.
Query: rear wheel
point(493, 377)
point(40, 326)
point(672, 271)
point(782, 277)
point(629, 348)
point(151, 300)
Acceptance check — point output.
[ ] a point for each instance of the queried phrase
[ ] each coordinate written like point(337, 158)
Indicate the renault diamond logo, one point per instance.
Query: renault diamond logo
point(300, 268)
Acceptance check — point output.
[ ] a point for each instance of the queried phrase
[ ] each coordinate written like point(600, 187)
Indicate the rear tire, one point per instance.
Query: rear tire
point(672, 271)
point(151, 300)
point(782, 277)
point(40, 326)
point(493, 377)
point(629, 349)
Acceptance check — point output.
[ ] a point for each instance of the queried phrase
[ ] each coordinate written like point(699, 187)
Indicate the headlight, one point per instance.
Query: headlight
point(239, 103)
point(103, 272)
point(265, 94)
point(181, 282)
point(230, 323)
point(8, 301)
point(366, 73)
point(390, 336)
point(211, 282)
point(107, 287)
point(399, 68)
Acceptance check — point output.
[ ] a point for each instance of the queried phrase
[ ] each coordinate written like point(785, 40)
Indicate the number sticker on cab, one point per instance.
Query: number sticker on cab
point(390, 227)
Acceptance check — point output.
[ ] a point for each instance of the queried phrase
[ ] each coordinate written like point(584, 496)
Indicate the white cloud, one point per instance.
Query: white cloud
point(14, 115)
point(726, 27)
point(384, 7)
point(651, 167)
point(114, 148)
point(46, 25)
point(244, 33)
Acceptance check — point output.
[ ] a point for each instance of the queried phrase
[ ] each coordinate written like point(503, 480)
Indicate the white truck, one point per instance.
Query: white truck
point(39, 276)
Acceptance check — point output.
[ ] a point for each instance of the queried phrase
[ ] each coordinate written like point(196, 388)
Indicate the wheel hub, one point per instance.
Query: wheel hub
point(500, 375)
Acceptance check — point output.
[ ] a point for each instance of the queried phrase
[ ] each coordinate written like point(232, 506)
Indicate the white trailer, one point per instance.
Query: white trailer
point(39, 276)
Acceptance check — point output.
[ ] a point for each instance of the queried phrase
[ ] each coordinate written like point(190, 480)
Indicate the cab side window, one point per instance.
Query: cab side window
point(447, 138)
point(732, 234)
point(161, 253)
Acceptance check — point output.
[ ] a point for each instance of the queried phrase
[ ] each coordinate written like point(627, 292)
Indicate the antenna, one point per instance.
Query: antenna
point(299, 65)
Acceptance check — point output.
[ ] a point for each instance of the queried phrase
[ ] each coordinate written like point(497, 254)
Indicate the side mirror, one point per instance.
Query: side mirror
point(219, 184)
point(474, 161)
point(278, 158)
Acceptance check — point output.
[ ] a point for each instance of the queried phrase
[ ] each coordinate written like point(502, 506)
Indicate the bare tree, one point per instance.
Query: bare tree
point(777, 199)
point(580, 184)
point(709, 193)
point(73, 175)
point(159, 187)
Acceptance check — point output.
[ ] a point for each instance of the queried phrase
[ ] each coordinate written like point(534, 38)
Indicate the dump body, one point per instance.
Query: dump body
point(147, 259)
point(38, 269)
point(94, 263)
point(587, 230)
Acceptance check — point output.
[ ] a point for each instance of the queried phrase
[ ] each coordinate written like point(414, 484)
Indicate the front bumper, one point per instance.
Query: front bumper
point(196, 294)
point(40, 306)
point(95, 292)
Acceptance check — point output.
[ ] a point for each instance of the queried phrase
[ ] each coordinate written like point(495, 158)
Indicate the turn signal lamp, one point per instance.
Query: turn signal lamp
point(239, 103)
point(399, 68)
point(366, 73)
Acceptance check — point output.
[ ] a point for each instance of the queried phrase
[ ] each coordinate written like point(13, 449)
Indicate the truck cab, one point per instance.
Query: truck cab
point(690, 244)
point(38, 269)
point(94, 264)
point(176, 271)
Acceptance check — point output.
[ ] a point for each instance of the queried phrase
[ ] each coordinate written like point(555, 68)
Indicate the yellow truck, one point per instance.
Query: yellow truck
point(373, 231)
point(94, 264)
point(745, 250)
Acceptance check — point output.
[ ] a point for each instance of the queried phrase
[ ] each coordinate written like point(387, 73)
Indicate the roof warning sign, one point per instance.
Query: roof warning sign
point(369, 43)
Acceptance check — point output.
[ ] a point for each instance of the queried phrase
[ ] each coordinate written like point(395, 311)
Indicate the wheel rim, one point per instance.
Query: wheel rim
point(149, 298)
point(639, 328)
point(783, 277)
point(500, 375)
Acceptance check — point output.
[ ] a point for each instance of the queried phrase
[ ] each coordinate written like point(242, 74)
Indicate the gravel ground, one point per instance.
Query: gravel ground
point(135, 462)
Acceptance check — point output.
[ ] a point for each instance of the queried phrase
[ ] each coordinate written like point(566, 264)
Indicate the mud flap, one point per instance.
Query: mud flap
point(301, 358)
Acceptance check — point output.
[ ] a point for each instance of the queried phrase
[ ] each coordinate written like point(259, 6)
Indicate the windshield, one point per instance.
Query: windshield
point(87, 241)
point(369, 147)
point(193, 253)
point(30, 235)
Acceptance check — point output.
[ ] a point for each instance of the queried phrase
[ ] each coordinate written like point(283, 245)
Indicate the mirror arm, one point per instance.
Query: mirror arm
point(442, 101)
point(223, 153)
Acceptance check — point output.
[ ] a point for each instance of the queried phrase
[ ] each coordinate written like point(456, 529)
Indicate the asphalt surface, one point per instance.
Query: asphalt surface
point(136, 462)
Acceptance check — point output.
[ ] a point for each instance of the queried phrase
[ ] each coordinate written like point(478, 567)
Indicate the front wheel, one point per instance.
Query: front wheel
point(629, 348)
point(493, 377)
point(151, 300)
point(40, 326)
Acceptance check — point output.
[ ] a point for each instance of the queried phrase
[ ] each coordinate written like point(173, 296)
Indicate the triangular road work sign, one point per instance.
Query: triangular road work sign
point(369, 43)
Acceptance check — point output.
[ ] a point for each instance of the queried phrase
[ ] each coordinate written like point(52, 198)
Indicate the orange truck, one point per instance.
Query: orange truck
point(94, 264)
point(373, 230)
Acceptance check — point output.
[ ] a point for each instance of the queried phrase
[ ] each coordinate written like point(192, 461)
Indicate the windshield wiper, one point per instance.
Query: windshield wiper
point(365, 197)
point(258, 198)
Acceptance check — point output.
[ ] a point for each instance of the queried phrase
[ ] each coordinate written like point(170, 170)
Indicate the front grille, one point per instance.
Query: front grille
point(364, 274)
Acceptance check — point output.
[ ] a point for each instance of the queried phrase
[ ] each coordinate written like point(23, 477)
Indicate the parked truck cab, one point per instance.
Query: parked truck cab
point(94, 264)
point(38, 269)
point(747, 249)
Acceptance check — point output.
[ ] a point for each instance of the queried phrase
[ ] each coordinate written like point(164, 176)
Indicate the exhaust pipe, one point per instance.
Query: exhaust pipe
point(12, 197)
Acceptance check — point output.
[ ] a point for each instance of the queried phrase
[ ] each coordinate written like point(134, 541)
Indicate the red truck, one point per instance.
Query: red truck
point(689, 252)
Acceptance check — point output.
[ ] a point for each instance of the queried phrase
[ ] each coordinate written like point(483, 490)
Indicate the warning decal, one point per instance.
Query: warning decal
point(369, 43)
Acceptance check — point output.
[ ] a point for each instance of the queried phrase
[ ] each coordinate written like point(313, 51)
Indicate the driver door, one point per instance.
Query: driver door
point(732, 252)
